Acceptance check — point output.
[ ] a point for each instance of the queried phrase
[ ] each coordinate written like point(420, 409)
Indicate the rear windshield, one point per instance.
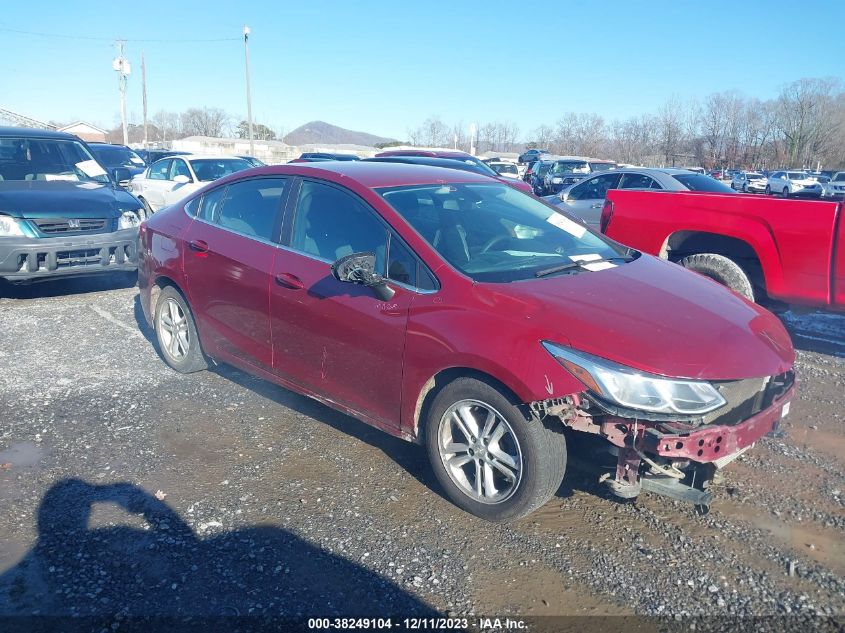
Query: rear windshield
point(116, 156)
point(493, 233)
point(574, 166)
point(602, 166)
point(700, 182)
point(507, 168)
point(208, 169)
point(752, 175)
point(48, 159)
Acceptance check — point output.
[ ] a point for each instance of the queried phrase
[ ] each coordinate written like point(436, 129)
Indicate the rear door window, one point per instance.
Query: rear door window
point(638, 181)
point(160, 170)
point(252, 208)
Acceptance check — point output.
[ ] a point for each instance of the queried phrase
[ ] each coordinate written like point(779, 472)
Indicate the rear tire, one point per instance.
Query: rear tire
point(722, 269)
point(178, 341)
point(498, 437)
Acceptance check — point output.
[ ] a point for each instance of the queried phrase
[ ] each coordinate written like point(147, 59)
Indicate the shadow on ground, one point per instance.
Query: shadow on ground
point(163, 569)
point(65, 286)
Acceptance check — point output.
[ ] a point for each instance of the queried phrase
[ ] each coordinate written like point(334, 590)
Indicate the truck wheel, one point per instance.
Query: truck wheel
point(493, 459)
point(722, 269)
point(177, 336)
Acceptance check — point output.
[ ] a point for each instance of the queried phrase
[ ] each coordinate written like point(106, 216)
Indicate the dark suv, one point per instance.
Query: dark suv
point(60, 212)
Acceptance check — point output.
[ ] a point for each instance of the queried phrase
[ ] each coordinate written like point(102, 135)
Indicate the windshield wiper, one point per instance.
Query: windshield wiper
point(582, 265)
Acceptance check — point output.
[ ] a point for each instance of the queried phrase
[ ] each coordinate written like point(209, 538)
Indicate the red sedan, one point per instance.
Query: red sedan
point(449, 309)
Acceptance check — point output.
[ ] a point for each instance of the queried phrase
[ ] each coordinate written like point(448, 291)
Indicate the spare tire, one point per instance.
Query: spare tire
point(722, 269)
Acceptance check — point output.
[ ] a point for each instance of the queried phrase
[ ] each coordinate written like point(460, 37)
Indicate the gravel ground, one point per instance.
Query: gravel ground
point(128, 489)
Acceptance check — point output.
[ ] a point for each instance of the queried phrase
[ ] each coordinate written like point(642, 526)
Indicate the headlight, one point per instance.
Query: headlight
point(129, 220)
point(634, 389)
point(557, 181)
point(10, 227)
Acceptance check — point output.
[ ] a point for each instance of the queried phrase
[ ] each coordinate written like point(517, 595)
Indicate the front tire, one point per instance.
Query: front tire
point(148, 210)
point(744, 188)
point(722, 269)
point(494, 459)
point(785, 192)
point(176, 332)
point(768, 190)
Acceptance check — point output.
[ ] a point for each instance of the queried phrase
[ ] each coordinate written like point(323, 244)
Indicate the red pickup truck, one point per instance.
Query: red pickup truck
point(769, 250)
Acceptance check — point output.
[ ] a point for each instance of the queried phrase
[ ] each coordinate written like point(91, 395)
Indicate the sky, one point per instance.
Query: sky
point(385, 66)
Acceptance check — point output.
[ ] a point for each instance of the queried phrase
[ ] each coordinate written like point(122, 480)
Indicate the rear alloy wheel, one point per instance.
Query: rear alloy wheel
point(722, 269)
point(492, 458)
point(177, 334)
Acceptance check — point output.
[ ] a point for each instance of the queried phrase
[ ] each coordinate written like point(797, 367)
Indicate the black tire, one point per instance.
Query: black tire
point(744, 187)
point(722, 269)
point(148, 211)
point(786, 192)
point(768, 190)
point(542, 450)
point(193, 359)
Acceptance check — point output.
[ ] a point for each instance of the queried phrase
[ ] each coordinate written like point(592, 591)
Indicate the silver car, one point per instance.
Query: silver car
point(749, 182)
point(836, 187)
point(586, 198)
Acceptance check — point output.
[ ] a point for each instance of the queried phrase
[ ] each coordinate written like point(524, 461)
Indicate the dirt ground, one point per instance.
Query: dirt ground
point(129, 489)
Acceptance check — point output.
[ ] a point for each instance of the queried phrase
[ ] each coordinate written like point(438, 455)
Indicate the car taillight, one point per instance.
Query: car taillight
point(606, 214)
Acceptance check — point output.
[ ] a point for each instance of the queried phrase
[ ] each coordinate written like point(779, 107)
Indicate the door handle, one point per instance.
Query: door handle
point(596, 206)
point(199, 246)
point(289, 280)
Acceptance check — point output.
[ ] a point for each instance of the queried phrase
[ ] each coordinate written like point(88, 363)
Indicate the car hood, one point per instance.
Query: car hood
point(657, 317)
point(42, 199)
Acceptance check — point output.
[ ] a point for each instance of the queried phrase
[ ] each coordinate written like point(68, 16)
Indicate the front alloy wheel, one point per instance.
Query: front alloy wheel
point(493, 456)
point(479, 451)
point(173, 325)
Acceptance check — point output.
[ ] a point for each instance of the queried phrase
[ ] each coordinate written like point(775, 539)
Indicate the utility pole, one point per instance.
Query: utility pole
point(121, 65)
point(144, 92)
point(472, 130)
point(248, 91)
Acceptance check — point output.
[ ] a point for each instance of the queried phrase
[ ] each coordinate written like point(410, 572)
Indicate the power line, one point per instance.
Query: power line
point(65, 36)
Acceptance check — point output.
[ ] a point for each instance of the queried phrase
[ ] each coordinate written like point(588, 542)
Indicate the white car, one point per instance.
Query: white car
point(749, 182)
point(836, 187)
point(170, 179)
point(793, 183)
point(505, 168)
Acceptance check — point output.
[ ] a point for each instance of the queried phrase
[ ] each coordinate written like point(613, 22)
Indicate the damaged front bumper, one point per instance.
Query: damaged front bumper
point(673, 458)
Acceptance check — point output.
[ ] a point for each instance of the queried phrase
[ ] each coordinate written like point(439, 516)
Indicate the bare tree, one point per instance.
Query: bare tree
point(212, 122)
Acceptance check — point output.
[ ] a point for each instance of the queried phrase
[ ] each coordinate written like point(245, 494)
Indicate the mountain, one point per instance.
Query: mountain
point(320, 132)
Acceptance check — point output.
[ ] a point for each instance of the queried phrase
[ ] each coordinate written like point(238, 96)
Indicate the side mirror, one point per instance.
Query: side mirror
point(121, 176)
point(563, 196)
point(181, 179)
point(360, 268)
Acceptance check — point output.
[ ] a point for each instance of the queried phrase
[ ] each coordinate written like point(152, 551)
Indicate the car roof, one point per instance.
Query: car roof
point(375, 174)
point(29, 132)
point(431, 153)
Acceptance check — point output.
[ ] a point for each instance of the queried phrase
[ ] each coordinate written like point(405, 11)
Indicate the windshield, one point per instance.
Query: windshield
point(752, 176)
point(839, 177)
point(208, 169)
point(112, 156)
point(494, 233)
point(700, 182)
point(48, 159)
point(574, 166)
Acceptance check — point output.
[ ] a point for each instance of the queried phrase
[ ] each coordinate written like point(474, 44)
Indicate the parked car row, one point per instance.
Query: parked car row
point(788, 183)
